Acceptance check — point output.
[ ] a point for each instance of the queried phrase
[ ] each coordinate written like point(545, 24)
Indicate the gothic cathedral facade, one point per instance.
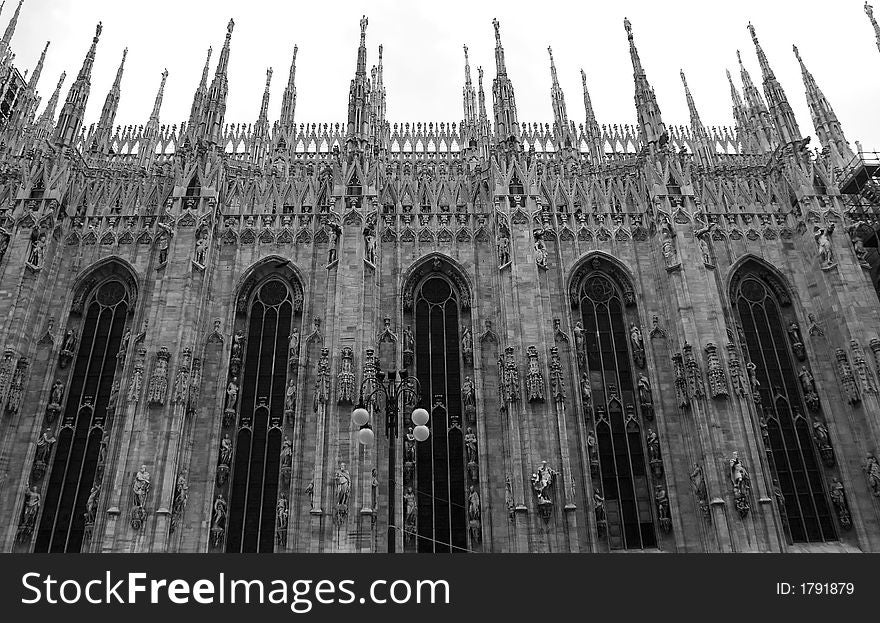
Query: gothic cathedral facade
point(644, 338)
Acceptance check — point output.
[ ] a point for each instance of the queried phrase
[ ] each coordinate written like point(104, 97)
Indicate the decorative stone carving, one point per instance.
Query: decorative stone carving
point(195, 384)
point(322, 379)
point(698, 484)
point(159, 380)
point(218, 521)
point(808, 385)
point(754, 383)
point(848, 381)
point(410, 512)
point(470, 446)
point(181, 380)
point(290, 400)
point(534, 377)
point(823, 442)
point(599, 512)
point(814, 329)
point(140, 489)
point(231, 402)
point(827, 260)
point(841, 506)
point(370, 242)
point(29, 513)
point(293, 346)
point(137, 375)
point(872, 473)
point(467, 345)
point(345, 378)
point(696, 389)
point(343, 491)
point(742, 486)
point(509, 376)
point(857, 237)
point(657, 332)
point(386, 334)
point(282, 514)
point(36, 253)
point(236, 352)
point(368, 386)
point(178, 502)
point(469, 397)
point(200, 253)
point(580, 343)
point(474, 515)
point(503, 248)
point(638, 345)
point(661, 500)
point(16, 386)
point(715, 372)
point(68, 348)
point(863, 371)
point(681, 385)
point(797, 341)
point(333, 246)
point(557, 377)
point(542, 483)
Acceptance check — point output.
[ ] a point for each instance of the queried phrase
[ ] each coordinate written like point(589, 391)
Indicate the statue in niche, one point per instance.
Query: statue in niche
point(141, 486)
point(587, 393)
point(232, 394)
point(661, 498)
point(282, 512)
point(644, 391)
point(343, 491)
point(825, 248)
point(503, 250)
point(409, 514)
point(290, 398)
point(45, 443)
point(32, 502)
point(580, 341)
point(470, 443)
point(838, 499)
point(225, 457)
point(335, 232)
point(286, 453)
point(702, 236)
point(370, 243)
point(468, 394)
point(201, 251)
point(293, 344)
point(653, 445)
point(218, 520)
point(37, 251)
point(668, 247)
point(797, 341)
point(638, 345)
point(91, 512)
point(742, 485)
point(163, 250)
point(409, 446)
point(540, 248)
point(542, 482)
point(467, 345)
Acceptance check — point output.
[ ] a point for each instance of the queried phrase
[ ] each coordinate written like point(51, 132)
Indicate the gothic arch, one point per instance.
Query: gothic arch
point(599, 261)
point(267, 267)
point(444, 265)
point(754, 265)
point(104, 269)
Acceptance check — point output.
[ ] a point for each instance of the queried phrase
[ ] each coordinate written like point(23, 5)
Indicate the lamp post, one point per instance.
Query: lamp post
point(393, 389)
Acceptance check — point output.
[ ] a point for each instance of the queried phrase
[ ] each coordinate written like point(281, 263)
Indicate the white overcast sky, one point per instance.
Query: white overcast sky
point(423, 55)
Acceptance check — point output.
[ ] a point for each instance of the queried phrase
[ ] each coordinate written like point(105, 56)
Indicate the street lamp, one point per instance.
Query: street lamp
point(398, 387)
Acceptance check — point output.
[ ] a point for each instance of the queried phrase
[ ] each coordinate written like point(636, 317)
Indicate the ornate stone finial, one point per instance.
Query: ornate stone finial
point(550, 52)
point(364, 22)
point(98, 30)
point(497, 25)
point(628, 26)
point(229, 28)
point(752, 32)
point(465, 53)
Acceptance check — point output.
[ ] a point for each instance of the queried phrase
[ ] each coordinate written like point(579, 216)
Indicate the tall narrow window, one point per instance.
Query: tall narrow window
point(621, 472)
point(62, 525)
point(258, 437)
point(806, 512)
point(440, 462)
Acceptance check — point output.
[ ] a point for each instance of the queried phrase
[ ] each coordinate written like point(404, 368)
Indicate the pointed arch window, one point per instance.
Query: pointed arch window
point(259, 372)
point(77, 465)
point(806, 513)
point(609, 387)
point(440, 485)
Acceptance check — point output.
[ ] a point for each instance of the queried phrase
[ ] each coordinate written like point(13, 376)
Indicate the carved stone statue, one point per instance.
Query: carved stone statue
point(282, 512)
point(470, 444)
point(370, 243)
point(653, 446)
point(644, 391)
point(540, 249)
point(661, 499)
point(474, 508)
point(580, 341)
point(742, 485)
point(587, 393)
point(32, 503)
point(702, 235)
point(638, 345)
point(37, 251)
point(201, 251)
point(343, 491)
point(838, 499)
point(468, 394)
point(218, 521)
point(668, 246)
point(409, 513)
point(225, 457)
point(503, 250)
point(141, 487)
point(178, 503)
point(467, 345)
point(45, 443)
point(290, 398)
point(286, 453)
point(91, 512)
point(698, 483)
point(293, 344)
point(232, 394)
point(825, 248)
point(872, 472)
point(56, 395)
point(542, 482)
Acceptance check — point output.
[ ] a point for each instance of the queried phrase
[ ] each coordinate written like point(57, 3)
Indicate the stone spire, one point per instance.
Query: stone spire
point(104, 129)
point(504, 101)
point(780, 109)
point(288, 101)
point(201, 93)
point(73, 111)
point(759, 117)
point(704, 151)
point(870, 12)
point(261, 128)
point(469, 96)
point(745, 133)
point(10, 30)
point(160, 95)
point(38, 70)
point(483, 119)
point(359, 97)
point(557, 98)
point(377, 104)
point(827, 126)
point(46, 121)
point(211, 125)
point(651, 127)
point(591, 127)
